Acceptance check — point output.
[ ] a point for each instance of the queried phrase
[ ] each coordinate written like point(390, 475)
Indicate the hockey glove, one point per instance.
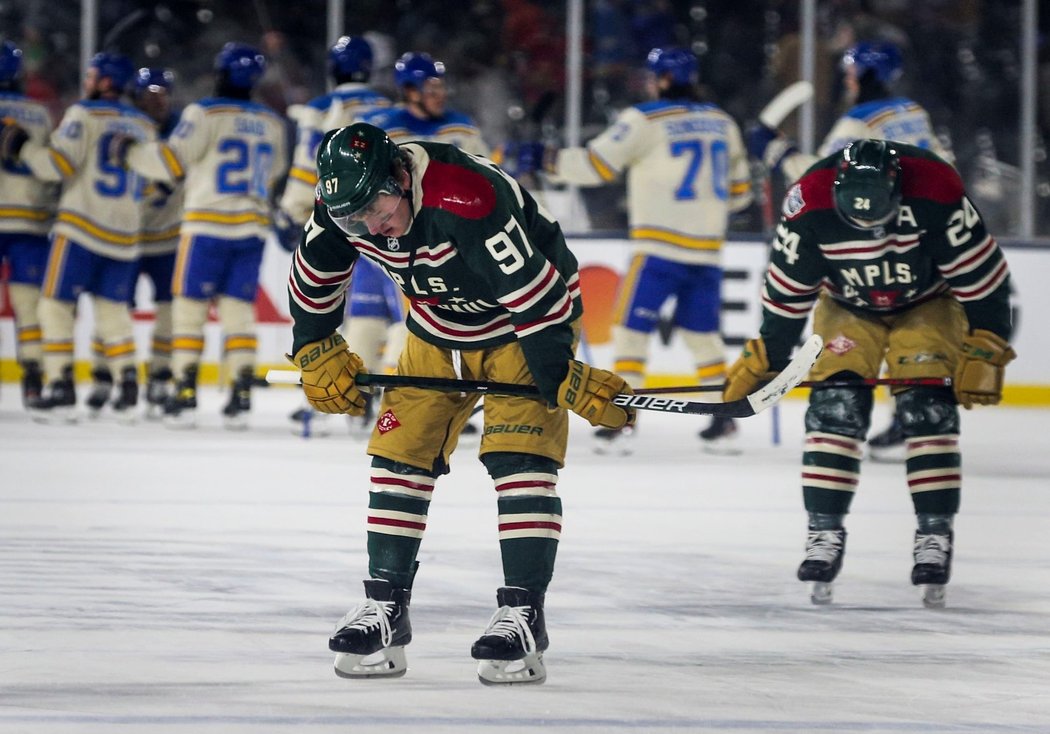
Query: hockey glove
point(329, 370)
point(588, 392)
point(979, 374)
point(750, 369)
point(12, 137)
point(769, 146)
point(288, 232)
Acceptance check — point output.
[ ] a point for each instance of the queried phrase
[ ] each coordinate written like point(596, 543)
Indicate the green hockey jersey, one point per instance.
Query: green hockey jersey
point(482, 264)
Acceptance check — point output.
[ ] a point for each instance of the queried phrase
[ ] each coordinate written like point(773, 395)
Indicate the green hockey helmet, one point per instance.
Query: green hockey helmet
point(355, 166)
point(867, 183)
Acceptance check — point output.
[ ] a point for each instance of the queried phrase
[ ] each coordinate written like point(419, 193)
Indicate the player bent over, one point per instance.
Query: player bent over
point(881, 238)
point(494, 295)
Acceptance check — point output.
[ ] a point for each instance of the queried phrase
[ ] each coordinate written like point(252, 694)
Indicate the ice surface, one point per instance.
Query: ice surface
point(162, 581)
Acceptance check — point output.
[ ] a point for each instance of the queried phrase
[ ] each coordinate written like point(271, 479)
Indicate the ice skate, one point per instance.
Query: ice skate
point(127, 398)
point(158, 391)
point(370, 640)
point(933, 566)
point(614, 441)
point(180, 411)
point(721, 437)
point(511, 648)
point(32, 381)
point(888, 446)
point(58, 403)
point(823, 561)
point(235, 413)
point(101, 389)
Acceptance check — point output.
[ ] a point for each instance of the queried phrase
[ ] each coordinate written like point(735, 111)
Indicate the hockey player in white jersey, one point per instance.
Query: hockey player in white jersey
point(26, 209)
point(95, 238)
point(686, 170)
point(231, 152)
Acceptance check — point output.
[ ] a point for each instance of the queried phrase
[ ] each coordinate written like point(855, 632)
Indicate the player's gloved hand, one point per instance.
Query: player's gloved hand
point(115, 147)
point(750, 369)
point(12, 137)
point(329, 372)
point(288, 232)
point(979, 374)
point(768, 145)
point(530, 156)
point(589, 391)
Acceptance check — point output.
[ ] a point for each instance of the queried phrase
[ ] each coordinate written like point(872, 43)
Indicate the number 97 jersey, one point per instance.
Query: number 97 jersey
point(231, 154)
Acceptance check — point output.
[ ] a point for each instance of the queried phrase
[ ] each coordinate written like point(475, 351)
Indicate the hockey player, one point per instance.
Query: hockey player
point(882, 239)
point(94, 242)
point(26, 209)
point(871, 70)
point(687, 170)
point(374, 307)
point(494, 295)
point(231, 152)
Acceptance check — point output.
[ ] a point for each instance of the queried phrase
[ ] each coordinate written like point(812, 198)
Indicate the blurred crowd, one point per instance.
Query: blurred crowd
point(962, 63)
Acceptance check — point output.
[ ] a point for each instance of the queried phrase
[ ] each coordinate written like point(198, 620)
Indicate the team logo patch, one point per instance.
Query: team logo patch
point(840, 345)
point(793, 201)
point(883, 299)
point(387, 422)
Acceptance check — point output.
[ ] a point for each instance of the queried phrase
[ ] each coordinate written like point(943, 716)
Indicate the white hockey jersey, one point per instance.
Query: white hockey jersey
point(894, 118)
point(27, 204)
point(162, 214)
point(231, 154)
point(687, 169)
point(101, 203)
point(346, 104)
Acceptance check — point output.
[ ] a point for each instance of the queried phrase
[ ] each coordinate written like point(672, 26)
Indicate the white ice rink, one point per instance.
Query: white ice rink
point(171, 582)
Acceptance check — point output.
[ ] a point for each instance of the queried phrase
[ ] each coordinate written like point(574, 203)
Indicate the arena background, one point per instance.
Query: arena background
point(561, 71)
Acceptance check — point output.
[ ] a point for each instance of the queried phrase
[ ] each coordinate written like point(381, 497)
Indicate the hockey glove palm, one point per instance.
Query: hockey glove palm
point(750, 369)
point(329, 370)
point(979, 374)
point(589, 391)
point(12, 137)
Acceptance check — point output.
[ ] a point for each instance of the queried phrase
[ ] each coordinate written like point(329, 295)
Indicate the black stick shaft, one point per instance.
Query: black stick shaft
point(879, 381)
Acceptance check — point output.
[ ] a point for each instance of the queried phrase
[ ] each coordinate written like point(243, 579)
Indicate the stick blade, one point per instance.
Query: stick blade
point(789, 377)
point(791, 97)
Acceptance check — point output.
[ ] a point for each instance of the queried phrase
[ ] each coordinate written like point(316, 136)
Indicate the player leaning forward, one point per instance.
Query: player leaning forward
point(883, 240)
point(494, 295)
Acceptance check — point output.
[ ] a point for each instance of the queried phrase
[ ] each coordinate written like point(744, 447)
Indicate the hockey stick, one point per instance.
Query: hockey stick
point(868, 382)
point(787, 100)
point(754, 403)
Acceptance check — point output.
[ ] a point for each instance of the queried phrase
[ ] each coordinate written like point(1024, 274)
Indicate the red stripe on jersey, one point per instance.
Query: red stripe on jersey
point(829, 478)
point(549, 274)
point(503, 526)
point(458, 190)
point(311, 278)
point(396, 523)
point(816, 190)
point(323, 305)
point(391, 481)
point(841, 443)
point(924, 178)
point(524, 483)
point(498, 323)
point(956, 478)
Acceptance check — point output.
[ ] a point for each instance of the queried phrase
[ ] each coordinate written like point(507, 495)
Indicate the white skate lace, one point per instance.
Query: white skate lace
point(932, 549)
point(513, 622)
point(823, 545)
point(369, 615)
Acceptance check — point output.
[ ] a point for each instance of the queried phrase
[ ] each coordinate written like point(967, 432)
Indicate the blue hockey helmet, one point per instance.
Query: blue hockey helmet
point(153, 79)
point(412, 69)
point(350, 56)
point(10, 62)
point(115, 67)
point(881, 58)
point(241, 64)
point(680, 63)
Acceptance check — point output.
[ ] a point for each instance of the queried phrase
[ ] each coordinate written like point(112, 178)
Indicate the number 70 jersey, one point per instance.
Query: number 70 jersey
point(231, 153)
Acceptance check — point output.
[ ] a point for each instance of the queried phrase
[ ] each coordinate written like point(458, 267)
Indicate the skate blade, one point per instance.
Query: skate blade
point(934, 596)
point(389, 662)
point(126, 417)
point(54, 416)
point(613, 451)
point(529, 670)
point(181, 422)
point(235, 422)
point(154, 413)
point(821, 593)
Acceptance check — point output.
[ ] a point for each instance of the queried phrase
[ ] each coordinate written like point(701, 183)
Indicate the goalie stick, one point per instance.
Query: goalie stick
point(756, 402)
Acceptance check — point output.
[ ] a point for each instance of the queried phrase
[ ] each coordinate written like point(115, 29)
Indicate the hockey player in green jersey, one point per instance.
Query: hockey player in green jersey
point(882, 240)
point(494, 295)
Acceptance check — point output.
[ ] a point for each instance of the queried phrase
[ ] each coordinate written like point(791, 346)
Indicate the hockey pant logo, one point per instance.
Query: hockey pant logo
point(652, 403)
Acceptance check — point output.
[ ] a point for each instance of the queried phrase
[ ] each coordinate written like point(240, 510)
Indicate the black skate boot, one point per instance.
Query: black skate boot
point(823, 561)
point(235, 414)
point(614, 441)
point(380, 627)
point(32, 381)
point(101, 389)
point(888, 446)
point(58, 404)
point(127, 395)
point(720, 437)
point(180, 411)
point(933, 566)
point(158, 391)
point(511, 649)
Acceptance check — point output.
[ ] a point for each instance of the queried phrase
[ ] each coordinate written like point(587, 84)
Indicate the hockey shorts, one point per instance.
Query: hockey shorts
point(213, 266)
point(26, 256)
point(373, 294)
point(159, 269)
point(72, 269)
point(923, 341)
point(652, 280)
point(421, 427)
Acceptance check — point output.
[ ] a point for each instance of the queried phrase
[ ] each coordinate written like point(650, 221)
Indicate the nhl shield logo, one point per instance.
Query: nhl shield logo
point(393, 244)
point(387, 422)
